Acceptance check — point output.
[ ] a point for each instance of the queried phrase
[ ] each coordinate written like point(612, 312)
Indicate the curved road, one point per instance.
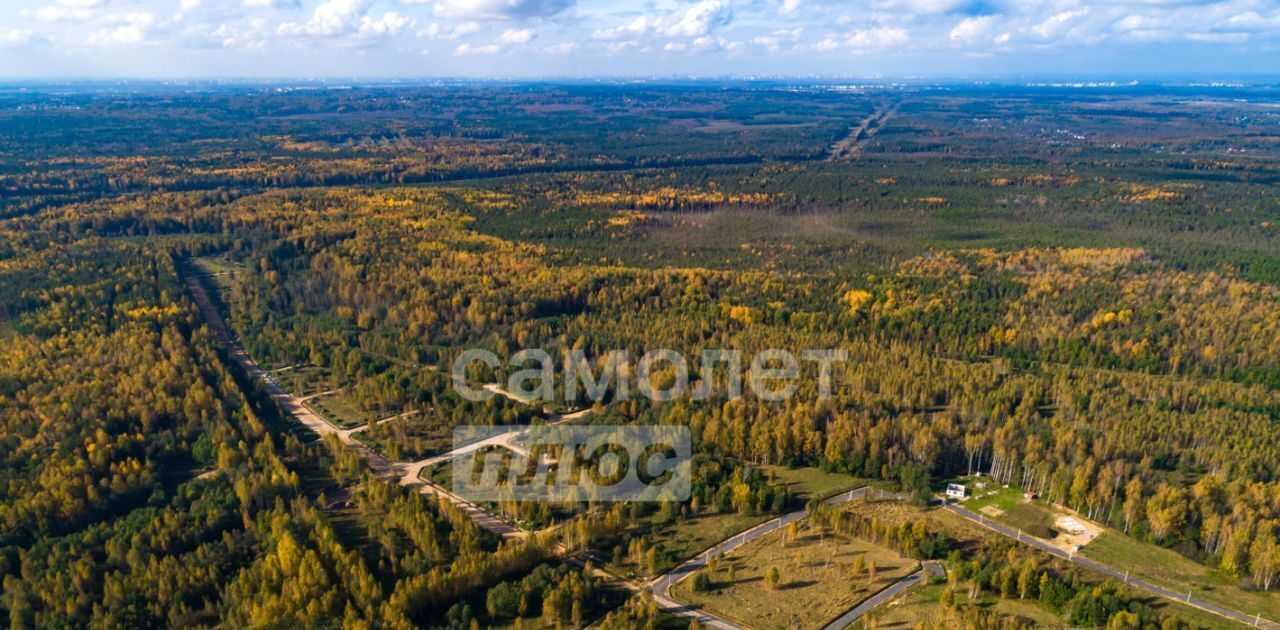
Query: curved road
point(871, 603)
point(661, 587)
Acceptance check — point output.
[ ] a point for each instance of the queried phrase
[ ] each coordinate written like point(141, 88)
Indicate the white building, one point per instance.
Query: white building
point(957, 491)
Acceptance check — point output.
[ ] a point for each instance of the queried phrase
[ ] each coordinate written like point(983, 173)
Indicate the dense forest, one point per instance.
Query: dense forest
point(1075, 294)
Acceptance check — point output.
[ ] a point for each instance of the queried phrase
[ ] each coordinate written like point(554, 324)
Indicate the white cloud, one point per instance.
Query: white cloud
point(973, 29)
point(1219, 38)
point(877, 38)
point(53, 14)
point(501, 9)
point(1057, 23)
point(389, 25)
point(816, 28)
point(132, 30)
point(516, 36)
point(773, 41)
point(331, 18)
point(700, 19)
point(696, 22)
point(15, 38)
point(632, 28)
point(468, 49)
point(827, 44)
point(563, 48)
point(920, 7)
point(464, 29)
point(343, 18)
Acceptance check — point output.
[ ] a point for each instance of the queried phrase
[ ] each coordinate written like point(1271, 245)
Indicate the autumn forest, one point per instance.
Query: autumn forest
point(228, 315)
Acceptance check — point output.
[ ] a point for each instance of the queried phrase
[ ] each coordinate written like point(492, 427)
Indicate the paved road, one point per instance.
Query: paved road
point(847, 619)
point(1047, 547)
point(661, 587)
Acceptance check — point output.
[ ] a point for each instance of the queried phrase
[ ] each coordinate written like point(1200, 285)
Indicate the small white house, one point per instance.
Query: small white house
point(957, 491)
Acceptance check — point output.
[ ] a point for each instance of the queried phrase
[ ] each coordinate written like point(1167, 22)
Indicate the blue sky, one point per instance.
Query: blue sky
point(425, 38)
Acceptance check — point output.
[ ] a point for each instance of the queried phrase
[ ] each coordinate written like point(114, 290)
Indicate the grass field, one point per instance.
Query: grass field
point(921, 605)
point(818, 581)
point(221, 270)
point(915, 607)
point(1171, 570)
point(1150, 562)
point(807, 483)
point(341, 411)
point(303, 380)
point(686, 538)
point(1032, 517)
point(961, 530)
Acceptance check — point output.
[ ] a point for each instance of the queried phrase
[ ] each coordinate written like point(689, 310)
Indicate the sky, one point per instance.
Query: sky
point(558, 38)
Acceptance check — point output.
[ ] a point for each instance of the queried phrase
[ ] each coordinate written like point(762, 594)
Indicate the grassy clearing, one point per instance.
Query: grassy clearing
point(341, 411)
point(527, 515)
point(818, 580)
point(680, 540)
point(964, 532)
point(222, 270)
point(807, 483)
point(1194, 616)
point(304, 380)
point(915, 607)
point(922, 606)
point(689, 536)
point(1152, 563)
point(1032, 517)
point(1171, 570)
point(1000, 497)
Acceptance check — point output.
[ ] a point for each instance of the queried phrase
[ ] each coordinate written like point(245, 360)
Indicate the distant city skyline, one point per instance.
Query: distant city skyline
point(548, 38)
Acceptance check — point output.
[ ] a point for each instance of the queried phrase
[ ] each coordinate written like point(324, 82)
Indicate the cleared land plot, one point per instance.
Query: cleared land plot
point(689, 536)
point(531, 516)
point(682, 539)
point(963, 531)
point(818, 580)
point(221, 270)
point(1008, 506)
point(341, 411)
point(807, 483)
point(922, 606)
point(304, 380)
point(1149, 562)
point(1168, 568)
